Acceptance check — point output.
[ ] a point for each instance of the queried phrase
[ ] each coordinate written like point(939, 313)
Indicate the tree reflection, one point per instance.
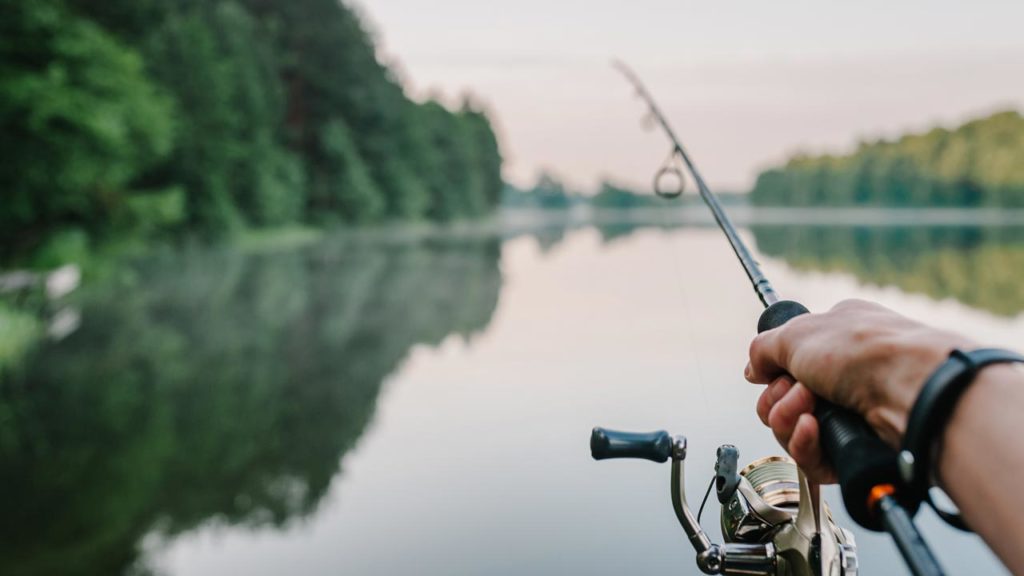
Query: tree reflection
point(980, 267)
point(216, 386)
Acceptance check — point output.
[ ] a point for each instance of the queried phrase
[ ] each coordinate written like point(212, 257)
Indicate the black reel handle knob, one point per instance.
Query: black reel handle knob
point(654, 446)
point(860, 458)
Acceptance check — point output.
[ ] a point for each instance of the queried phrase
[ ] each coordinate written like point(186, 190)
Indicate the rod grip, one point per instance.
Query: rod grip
point(860, 458)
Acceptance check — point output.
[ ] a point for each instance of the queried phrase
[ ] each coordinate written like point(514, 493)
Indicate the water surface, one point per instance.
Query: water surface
point(422, 405)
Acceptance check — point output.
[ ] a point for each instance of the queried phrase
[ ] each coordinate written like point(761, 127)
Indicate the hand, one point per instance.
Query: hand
point(858, 355)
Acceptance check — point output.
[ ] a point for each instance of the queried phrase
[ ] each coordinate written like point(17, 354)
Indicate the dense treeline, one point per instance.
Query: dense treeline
point(143, 117)
point(550, 193)
point(611, 195)
point(978, 164)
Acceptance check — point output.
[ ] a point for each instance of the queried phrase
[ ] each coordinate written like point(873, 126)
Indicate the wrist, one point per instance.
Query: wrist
point(931, 414)
point(979, 461)
point(995, 388)
point(908, 361)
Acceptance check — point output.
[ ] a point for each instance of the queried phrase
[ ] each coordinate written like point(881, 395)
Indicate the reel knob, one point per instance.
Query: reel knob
point(654, 446)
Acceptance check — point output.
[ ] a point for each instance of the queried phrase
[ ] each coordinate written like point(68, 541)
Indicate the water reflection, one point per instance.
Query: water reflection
point(222, 389)
point(216, 385)
point(980, 267)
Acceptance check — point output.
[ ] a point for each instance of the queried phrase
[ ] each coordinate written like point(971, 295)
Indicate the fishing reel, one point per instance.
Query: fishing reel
point(773, 521)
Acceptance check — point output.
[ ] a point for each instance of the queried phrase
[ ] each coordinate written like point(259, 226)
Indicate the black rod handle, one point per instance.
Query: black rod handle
point(653, 446)
point(860, 458)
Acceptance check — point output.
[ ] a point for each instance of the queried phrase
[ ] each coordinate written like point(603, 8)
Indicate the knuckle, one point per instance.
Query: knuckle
point(755, 347)
point(850, 304)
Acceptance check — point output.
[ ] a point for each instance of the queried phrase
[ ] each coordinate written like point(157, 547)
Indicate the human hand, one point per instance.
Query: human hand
point(859, 355)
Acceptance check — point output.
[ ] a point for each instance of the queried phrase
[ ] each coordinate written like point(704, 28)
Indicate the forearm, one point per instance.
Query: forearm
point(982, 464)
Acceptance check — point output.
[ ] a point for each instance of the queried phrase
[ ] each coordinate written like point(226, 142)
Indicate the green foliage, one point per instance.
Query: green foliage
point(977, 164)
point(550, 193)
point(422, 159)
point(267, 179)
point(19, 330)
point(547, 193)
point(154, 211)
point(613, 196)
point(186, 55)
point(480, 136)
point(258, 112)
point(68, 245)
point(345, 188)
point(461, 161)
point(80, 121)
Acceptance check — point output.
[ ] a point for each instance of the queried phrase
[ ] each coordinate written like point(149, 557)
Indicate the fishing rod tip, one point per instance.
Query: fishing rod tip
point(621, 66)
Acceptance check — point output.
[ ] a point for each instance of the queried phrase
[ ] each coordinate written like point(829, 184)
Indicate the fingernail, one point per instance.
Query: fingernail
point(746, 371)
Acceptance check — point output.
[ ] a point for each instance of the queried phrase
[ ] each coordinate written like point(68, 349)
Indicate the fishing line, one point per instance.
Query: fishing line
point(705, 500)
point(688, 318)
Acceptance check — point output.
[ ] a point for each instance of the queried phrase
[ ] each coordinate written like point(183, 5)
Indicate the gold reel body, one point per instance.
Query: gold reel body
point(772, 505)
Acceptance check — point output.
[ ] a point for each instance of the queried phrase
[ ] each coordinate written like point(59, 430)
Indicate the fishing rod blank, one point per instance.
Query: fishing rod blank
point(764, 289)
point(867, 466)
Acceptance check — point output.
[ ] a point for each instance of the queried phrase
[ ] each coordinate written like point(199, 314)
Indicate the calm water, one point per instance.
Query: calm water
point(422, 406)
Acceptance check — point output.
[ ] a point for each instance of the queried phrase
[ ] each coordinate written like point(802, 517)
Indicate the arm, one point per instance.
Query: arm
point(874, 361)
point(982, 456)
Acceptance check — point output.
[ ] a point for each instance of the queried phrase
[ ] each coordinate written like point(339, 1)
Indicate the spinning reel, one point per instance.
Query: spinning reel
point(773, 521)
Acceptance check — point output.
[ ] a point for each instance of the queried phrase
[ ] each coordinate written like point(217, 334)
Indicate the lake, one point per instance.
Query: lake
point(421, 402)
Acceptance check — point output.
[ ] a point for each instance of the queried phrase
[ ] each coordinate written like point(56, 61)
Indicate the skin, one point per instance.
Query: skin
point(874, 361)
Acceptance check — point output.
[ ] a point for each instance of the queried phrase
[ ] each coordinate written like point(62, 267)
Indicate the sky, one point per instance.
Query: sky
point(746, 83)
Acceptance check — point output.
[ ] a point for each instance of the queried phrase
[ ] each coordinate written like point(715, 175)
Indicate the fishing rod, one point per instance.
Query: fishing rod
point(866, 466)
point(764, 289)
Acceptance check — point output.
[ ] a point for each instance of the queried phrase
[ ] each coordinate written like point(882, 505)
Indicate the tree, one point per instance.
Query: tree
point(345, 188)
point(975, 164)
point(80, 121)
point(143, 117)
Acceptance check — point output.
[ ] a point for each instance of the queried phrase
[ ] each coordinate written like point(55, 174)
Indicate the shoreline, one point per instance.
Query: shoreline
point(747, 215)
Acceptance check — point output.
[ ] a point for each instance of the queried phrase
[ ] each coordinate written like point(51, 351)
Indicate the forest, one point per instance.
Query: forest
point(550, 193)
point(975, 165)
point(134, 120)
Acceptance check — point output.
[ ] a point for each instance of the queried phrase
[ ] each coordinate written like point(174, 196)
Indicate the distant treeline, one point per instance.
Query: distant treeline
point(550, 193)
point(143, 117)
point(978, 164)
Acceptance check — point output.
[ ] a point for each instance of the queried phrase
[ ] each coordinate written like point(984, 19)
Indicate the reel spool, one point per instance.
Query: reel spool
point(775, 481)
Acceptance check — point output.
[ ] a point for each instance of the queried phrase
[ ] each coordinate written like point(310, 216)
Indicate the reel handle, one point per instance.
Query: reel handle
point(654, 446)
point(860, 458)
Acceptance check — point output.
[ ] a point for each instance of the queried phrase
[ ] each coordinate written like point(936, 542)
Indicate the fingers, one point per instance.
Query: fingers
point(770, 351)
point(805, 447)
point(784, 414)
point(772, 394)
point(795, 427)
point(765, 358)
point(787, 408)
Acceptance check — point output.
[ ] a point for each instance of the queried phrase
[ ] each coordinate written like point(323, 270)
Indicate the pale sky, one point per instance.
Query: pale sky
point(745, 82)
